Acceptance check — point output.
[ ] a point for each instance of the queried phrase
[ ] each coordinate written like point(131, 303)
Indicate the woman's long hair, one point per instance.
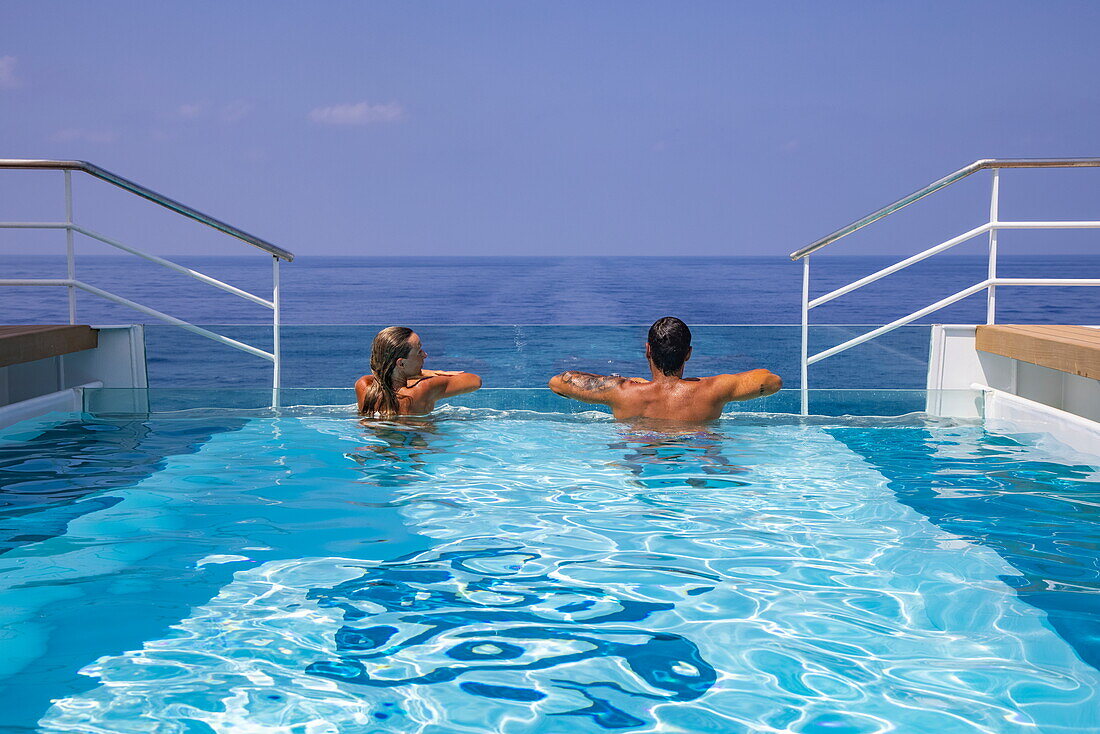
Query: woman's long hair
point(391, 344)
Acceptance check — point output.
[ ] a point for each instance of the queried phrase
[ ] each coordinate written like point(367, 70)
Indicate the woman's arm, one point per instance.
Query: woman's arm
point(456, 383)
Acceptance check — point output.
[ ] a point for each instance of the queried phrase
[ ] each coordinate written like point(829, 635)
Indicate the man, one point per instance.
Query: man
point(667, 396)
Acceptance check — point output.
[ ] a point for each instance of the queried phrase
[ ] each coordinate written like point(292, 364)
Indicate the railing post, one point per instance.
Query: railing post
point(994, 216)
point(805, 395)
point(276, 322)
point(69, 255)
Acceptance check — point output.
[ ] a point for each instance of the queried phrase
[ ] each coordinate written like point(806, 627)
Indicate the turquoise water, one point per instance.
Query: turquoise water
point(487, 570)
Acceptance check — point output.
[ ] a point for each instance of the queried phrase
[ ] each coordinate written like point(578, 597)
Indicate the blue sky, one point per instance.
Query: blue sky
point(573, 128)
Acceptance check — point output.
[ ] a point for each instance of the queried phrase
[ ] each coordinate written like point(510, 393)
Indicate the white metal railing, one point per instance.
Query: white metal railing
point(72, 283)
point(989, 285)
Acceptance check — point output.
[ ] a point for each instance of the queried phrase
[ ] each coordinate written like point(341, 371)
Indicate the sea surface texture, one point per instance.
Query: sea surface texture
point(516, 321)
point(548, 290)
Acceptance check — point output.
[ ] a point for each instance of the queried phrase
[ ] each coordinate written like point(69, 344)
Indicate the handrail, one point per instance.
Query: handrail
point(70, 283)
point(174, 266)
point(73, 284)
point(941, 183)
point(964, 237)
point(989, 285)
point(147, 193)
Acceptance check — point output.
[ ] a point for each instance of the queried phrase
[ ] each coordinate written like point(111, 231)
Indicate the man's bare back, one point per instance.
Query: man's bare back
point(692, 400)
point(667, 395)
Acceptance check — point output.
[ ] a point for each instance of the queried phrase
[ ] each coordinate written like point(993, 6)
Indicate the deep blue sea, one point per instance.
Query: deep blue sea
point(520, 294)
point(547, 290)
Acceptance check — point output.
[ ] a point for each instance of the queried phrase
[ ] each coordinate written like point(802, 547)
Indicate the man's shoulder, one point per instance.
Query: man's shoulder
point(703, 382)
point(713, 387)
point(732, 377)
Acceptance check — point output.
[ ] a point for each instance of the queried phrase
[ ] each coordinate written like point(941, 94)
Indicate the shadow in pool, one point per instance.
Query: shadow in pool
point(60, 474)
point(1041, 516)
point(464, 615)
point(662, 457)
point(400, 457)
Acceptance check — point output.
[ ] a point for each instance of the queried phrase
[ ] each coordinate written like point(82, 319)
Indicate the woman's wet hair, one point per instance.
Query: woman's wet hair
point(669, 343)
point(390, 345)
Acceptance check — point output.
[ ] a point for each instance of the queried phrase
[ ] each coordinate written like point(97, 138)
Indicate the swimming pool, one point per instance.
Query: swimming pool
point(506, 570)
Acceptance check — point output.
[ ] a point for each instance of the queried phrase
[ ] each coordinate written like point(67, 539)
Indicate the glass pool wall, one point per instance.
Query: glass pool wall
point(526, 356)
point(335, 402)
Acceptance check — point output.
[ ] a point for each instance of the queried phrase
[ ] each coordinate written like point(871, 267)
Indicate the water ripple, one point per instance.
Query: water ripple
point(751, 579)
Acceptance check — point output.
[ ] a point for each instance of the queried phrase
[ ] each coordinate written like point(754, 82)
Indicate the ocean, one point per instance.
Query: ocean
point(486, 313)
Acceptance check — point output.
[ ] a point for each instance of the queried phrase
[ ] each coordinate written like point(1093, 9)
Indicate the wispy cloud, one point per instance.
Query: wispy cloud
point(229, 112)
point(80, 135)
point(358, 113)
point(235, 111)
point(191, 111)
point(8, 77)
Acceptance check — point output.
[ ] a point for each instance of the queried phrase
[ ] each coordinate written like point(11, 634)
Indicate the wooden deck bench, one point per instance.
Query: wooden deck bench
point(1071, 349)
point(19, 344)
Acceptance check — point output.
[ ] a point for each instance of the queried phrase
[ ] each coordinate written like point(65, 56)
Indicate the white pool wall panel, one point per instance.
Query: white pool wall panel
point(1063, 405)
point(32, 389)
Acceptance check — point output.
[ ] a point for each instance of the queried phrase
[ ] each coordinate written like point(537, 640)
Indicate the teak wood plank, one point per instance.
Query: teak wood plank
point(20, 344)
point(1062, 333)
point(1072, 349)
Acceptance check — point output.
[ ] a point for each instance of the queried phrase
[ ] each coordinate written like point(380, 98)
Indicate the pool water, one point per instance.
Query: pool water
point(482, 570)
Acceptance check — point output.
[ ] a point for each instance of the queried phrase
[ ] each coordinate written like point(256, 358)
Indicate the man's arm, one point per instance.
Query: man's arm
point(749, 385)
point(587, 387)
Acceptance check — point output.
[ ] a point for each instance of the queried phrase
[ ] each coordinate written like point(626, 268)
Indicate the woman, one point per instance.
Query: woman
point(399, 384)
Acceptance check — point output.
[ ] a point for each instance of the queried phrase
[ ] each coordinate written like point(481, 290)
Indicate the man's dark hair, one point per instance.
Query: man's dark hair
point(669, 342)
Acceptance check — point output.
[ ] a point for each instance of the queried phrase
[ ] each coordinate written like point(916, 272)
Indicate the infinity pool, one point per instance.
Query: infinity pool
point(510, 571)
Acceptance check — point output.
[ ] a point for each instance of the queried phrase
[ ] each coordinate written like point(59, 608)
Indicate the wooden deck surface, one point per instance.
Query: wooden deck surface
point(1072, 349)
point(20, 344)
